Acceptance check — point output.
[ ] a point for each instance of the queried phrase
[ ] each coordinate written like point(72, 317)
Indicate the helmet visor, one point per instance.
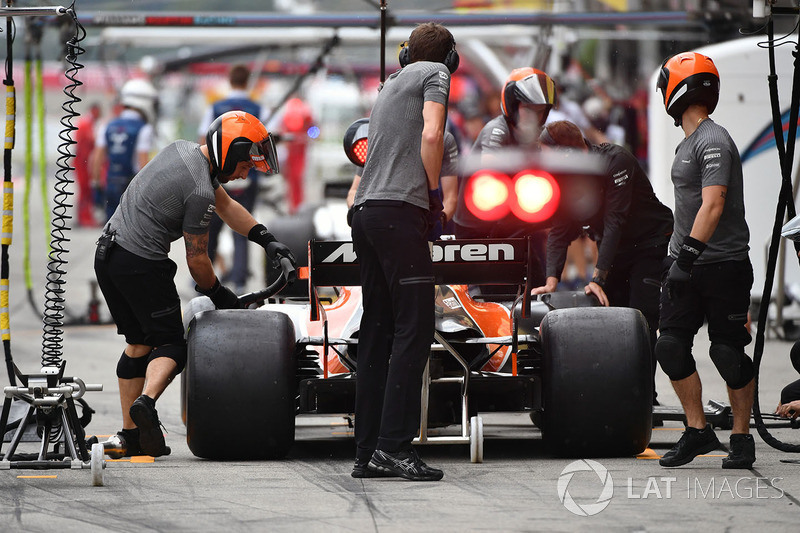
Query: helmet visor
point(264, 156)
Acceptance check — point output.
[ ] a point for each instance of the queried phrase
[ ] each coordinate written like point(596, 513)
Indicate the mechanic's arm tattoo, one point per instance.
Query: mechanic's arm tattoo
point(196, 245)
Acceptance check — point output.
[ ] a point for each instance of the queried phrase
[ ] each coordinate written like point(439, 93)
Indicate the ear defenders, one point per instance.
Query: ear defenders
point(451, 61)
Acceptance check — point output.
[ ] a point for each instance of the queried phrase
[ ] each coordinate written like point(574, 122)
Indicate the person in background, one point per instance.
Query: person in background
point(84, 146)
point(126, 142)
point(244, 191)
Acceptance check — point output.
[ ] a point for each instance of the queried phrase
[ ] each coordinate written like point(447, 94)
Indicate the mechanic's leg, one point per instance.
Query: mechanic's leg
point(375, 335)
point(741, 406)
point(690, 393)
point(165, 363)
point(131, 388)
point(644, 292)
point(408, 267)
point(727, 301)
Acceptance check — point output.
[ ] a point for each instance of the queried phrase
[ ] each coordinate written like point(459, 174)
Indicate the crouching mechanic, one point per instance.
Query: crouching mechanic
point(710, 274)
point(173, 196)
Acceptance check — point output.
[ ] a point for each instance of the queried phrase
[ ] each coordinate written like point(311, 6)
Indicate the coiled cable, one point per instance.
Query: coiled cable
point(54, 295)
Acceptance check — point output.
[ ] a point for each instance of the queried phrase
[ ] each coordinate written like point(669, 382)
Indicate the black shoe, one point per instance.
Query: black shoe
point(405, 464)
point(692, 443)
point(360, 470)
point(144, 415)
point(743, 452)
point(124, 444)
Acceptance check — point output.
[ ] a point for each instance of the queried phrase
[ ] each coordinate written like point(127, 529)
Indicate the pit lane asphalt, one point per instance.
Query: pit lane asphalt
point(516, 488)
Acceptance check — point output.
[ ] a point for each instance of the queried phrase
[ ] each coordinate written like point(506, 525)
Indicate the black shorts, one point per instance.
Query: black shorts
point(142, 297)
point(719, 293)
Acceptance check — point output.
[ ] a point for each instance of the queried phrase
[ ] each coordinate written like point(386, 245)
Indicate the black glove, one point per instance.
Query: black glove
point(435, 208)
point(221, 296)
point(259, 235)
point(680, 271)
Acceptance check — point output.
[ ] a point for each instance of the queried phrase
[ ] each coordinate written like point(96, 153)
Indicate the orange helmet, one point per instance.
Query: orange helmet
point(686, 79)
point(238, 136)
point(530, 86)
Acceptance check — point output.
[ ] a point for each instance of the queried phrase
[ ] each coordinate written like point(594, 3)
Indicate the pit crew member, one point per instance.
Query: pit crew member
point(632, 229)
point(390, 224)
point(710, 274)
point(172, 197)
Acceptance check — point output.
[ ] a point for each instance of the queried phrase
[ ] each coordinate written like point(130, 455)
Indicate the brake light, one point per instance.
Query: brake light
point(536, 196)
point(360, 150)
point(487, 195)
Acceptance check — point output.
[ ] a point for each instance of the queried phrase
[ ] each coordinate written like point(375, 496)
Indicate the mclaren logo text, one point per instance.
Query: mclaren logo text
point(448, 253)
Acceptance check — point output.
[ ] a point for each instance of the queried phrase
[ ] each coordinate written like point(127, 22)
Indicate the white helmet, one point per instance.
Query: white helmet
point(140, 95)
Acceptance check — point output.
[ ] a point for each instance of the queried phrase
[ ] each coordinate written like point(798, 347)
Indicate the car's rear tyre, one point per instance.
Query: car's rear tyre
point(195, 306)
point(240, 385)
point(597, 382)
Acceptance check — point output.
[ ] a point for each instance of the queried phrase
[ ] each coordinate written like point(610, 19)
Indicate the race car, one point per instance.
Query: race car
point(553, 357)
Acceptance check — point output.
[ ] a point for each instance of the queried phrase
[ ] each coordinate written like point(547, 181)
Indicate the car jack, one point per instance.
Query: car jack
point(718, 414)
point(51, 403)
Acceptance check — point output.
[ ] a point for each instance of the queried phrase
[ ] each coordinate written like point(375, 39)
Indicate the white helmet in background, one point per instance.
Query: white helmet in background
point(142, 96)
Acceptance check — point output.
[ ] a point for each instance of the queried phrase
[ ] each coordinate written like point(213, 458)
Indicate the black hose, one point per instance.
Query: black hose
point(54, 295)
point(785, 201)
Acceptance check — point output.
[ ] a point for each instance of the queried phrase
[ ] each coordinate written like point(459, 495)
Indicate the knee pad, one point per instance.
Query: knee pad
point(674, 354)
point(732, 364)
point(132, 367)
point(176, 352)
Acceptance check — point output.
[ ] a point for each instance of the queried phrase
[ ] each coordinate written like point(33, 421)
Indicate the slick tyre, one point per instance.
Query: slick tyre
point(195, 306)
point(597, 390)
point(240, 385)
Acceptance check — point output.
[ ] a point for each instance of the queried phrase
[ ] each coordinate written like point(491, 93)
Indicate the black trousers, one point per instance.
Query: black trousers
point(635, 281)
point(397, 325)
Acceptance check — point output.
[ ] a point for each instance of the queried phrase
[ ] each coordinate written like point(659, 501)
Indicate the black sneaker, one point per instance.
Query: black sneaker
point(692, 443)
point(743, 452)
point(360, 470)
point(124, 444)
point(144, 415)
point(405, 464)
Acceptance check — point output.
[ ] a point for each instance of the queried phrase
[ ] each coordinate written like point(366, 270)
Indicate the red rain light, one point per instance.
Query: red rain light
point(360, 150)
point(487, 195)
point(536, 196)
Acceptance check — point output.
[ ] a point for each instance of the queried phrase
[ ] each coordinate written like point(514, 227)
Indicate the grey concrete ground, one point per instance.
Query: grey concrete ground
point(515, 489)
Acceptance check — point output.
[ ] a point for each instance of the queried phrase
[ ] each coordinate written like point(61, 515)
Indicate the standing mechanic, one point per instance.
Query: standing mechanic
point(526, 100)
point(126, 142)
point(175, 195)
point(710, 276)
point(390, 226)
point(632, 229)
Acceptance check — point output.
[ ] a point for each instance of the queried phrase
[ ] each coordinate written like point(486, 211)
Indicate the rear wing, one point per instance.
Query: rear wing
point(455, 262)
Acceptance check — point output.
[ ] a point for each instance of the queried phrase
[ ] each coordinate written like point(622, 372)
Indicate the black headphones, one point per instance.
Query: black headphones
point(451, 61)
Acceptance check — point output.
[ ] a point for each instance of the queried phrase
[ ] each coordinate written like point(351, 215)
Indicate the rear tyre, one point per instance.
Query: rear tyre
point(598, 385)
point(195, 306)
point(240, 385)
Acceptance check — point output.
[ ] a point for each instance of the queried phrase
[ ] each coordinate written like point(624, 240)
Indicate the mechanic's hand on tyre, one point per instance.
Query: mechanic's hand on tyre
point(549, 286)
point(677, 282)
point(221, 296)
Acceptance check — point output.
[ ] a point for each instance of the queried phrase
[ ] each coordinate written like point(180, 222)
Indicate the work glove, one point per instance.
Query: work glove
point(435, 210)
point(221, 296)
point(275, 249)
point(680, 272)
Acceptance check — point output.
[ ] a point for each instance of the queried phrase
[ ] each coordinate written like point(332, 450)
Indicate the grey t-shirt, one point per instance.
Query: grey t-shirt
point(449, 158)
point(710, 157)
point(394, 169)
point(171, 195)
